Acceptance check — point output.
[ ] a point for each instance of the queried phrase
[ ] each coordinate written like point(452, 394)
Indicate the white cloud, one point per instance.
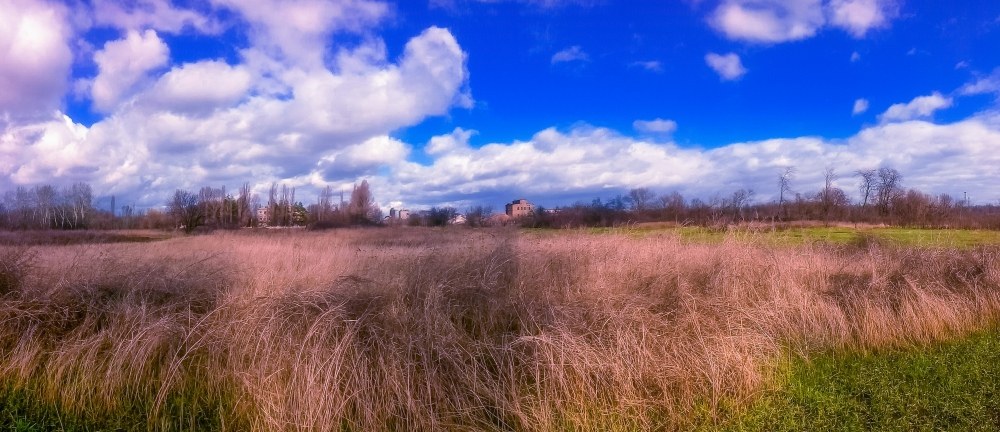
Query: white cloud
point(656, 126)
point(297, 31)
point(857, 17)
point(35, 57)
point(728, 66)
point(652, 66)
point(584, 162)
point(923, 106)
point(961, 65)
point(261, 120)
point(151, 14)
point(860, 106)
point(454, 142)
point(772, 21)
point(200, 86)
point(123, 63)
point(768, 20)
point(986, 84)
point(573, 53)
point(855, 57)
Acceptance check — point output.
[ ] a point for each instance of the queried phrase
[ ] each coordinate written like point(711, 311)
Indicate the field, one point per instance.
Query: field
point(458, 329)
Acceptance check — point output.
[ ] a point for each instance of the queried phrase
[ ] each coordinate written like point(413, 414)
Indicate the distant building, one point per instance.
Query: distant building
point(399, 214)
point(520, 208)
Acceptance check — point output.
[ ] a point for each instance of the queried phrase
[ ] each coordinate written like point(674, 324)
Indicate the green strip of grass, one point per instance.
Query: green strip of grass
point(949, 238)
point(22, 410)
point(953, 386)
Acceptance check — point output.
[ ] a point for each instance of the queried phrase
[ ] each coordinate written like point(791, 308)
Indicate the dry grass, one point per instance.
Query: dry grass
point(418, 329)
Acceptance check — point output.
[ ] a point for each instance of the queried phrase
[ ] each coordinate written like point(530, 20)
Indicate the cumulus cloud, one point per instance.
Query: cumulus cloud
point(263, 120)
point(456, 141)
point(855, 57)
point(922, 106)
point(151, 14)
point(297, 30)
point(581, 163)
point(36, 57)
point(772, 21)
point(728, 66)
point(655, 126)
point(200, 86)
point(983, 85)
point(860, 106)
point(573, 53)
point(857, 17)
point(768, 20)
point(123, 63)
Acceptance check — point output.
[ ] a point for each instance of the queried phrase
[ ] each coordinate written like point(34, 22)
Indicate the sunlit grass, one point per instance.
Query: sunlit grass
point(947, 386)
point(797, 236)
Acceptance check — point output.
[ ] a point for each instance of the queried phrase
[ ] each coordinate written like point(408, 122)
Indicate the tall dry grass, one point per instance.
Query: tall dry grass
point(416, 329)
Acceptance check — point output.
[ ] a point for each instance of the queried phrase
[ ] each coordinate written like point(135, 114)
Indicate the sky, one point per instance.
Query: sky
point(467, 102)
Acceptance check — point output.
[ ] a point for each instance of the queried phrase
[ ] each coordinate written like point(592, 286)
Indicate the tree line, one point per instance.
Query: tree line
point(882, 198)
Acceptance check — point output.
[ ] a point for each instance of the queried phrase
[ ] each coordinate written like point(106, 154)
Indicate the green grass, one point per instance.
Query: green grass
point(951, 238)
point(953, 386)
point(21, 409)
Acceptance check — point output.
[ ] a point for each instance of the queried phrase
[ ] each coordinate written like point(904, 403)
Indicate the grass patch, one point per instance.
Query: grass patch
point(951, 386)
point(797, 236)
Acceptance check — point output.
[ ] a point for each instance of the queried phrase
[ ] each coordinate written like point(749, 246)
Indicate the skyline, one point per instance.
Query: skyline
point(453, 102)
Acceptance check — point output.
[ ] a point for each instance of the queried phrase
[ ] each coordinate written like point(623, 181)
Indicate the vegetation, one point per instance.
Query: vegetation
point(952, 386)
point(493, 329)
point(882, 200)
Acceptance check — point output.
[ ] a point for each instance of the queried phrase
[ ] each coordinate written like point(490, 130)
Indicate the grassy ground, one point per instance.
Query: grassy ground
point(949, 386)
point(796, 236)
point(428, 329)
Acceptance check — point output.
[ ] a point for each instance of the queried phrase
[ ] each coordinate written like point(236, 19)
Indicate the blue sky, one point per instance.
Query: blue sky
point(462, 102)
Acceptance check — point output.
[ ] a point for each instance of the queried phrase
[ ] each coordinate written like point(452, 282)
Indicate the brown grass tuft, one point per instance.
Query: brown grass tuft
point(421, 329)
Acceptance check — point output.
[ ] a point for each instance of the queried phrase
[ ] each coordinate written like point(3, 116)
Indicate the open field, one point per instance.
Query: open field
point(422, 329)
point(800, 235)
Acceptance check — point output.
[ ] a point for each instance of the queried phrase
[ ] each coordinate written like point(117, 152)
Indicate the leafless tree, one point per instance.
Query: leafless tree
point(867, 186)
point(243, 214)
point(888, 186)
point(642, 198)
point(672, 205)
point(478, 215)
point(828, 197)
point(185, 209)
point(739, 201)
point(362, 207)
point(784, 187)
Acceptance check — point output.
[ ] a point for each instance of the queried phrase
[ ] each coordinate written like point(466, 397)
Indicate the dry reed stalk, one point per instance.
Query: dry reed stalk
point(468, 330)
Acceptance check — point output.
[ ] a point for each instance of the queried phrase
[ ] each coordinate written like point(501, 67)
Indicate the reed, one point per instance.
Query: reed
point(424, 329)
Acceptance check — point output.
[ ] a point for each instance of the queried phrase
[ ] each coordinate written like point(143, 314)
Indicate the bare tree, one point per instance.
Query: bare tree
point(867, 186)
point(888, 186)
point(784, 187)
point(185, 209)
point(272, 205)
point(478, 215)
point(739, 201)
point(827, 196)
point(362, 208)
point(243, 214)
point(324, 205)
point(673, 205)
point(642, 198)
